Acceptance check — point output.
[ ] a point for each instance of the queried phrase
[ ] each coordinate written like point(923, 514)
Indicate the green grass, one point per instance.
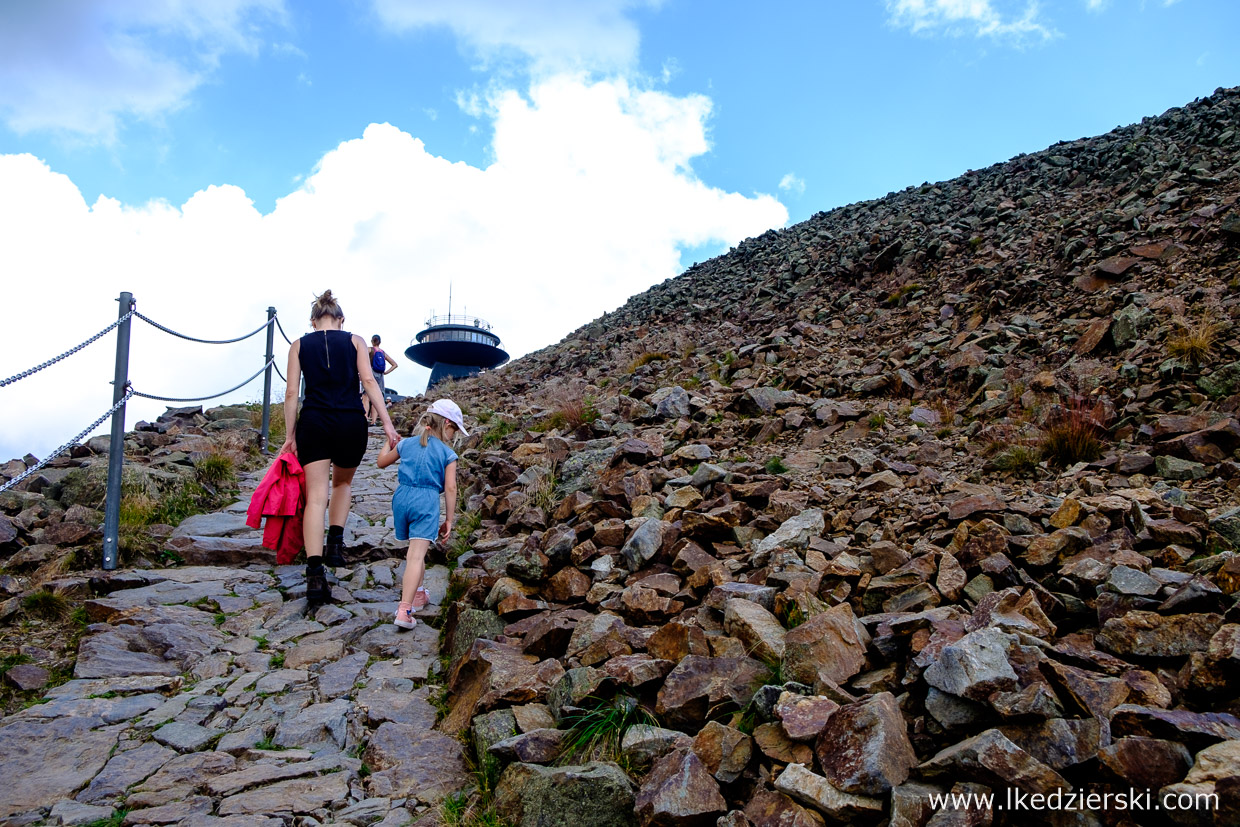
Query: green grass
point(115, 820)
point(877, 421)
point(900, 296)
point(46, 605)
point(595, 733)
point(775, 465)
point(497, 432)
point(277, 660)
point(1074, 437)
point(268, 744)
point(216, 470)
point(543, 493)
point(1018, 459)
point(261, 640)
point(9, 661)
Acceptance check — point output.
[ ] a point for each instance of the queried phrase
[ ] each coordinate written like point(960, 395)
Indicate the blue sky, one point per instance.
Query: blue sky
point(548, 157)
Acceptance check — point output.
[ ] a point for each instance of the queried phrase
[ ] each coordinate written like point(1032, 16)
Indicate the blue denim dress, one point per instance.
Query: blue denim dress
point(415, 505)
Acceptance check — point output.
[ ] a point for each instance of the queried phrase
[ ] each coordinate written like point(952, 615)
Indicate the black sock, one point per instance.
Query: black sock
point(335, 533)
point(315, 563)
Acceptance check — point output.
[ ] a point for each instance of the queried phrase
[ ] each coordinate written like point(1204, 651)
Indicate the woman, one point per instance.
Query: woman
point(329, 438)
point(381, 364)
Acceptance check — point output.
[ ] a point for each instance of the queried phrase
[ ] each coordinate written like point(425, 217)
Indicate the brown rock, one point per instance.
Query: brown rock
point(803, 716)
point(756, 628)
point(864, 748)
point(698, 683)
point(568, 585)
point(1148, 634)
point(724, 751)
point(829, 646)
point(992, 756)
point(771, 809)
point(678, 792)
point(776, 745)
point(1146, 762)
point(799, 783)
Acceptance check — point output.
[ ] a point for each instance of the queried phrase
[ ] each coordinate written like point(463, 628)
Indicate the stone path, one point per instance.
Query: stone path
point(206, 694)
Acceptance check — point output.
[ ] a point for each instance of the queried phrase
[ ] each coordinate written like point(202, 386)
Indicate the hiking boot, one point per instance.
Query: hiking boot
point(317, 590)
point(333, 554)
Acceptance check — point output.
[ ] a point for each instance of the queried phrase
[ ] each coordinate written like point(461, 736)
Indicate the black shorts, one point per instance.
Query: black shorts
point(336, 435)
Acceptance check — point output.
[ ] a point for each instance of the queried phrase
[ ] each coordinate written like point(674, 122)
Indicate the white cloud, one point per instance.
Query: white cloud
point(82, 66)
point(791, 183)
point(979, 18)
point(556, 35)
point(589, 199)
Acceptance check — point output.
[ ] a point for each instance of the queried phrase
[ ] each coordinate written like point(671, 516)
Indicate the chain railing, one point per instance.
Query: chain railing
point(32, 371)
point(38, 466)
point(123, 391)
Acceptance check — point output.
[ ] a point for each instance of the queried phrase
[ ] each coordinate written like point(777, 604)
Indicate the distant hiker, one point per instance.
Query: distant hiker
point(427, 468)
point(381, 364)
point(329, 438)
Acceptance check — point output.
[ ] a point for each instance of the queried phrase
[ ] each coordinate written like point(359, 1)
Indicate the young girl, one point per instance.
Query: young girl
point(427, 467)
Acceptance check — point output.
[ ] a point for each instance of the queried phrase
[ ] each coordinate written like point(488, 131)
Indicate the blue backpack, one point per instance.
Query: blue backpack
point(377, 362)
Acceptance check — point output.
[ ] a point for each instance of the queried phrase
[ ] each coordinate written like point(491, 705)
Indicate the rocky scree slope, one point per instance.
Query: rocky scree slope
point(935, 492)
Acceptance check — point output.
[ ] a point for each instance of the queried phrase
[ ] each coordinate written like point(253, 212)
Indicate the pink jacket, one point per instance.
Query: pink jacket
point(281, 498)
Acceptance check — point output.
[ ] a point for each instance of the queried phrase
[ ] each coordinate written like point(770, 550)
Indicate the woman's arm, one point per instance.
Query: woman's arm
point(392, 362)
point(449, 494)
point(388, 454)
point(372, 389)
point(291, 387)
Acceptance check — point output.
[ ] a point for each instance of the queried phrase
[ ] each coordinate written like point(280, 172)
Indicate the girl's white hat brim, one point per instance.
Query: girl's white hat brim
point(450, 411)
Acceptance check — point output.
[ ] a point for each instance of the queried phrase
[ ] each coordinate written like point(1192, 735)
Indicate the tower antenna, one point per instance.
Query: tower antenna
point(449, 301)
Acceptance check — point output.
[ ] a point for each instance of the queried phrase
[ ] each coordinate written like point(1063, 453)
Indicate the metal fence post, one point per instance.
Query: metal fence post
point(116, 448)
point(271, 343)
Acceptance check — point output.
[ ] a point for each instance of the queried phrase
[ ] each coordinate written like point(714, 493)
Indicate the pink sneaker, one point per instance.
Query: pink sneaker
point(420, 598)
point(405, 619)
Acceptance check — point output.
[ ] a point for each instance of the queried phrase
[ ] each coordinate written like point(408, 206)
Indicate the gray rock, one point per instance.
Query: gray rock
point(410, 761)
point(218, 524)
point(974, 666)
point(298, 795)
point(645, 543)
point(670, 403)
point(46, 761)
point(69, 813)
point(184, 737)
point(1174, 468)
point(1227, 523)
point(124, 770)
point(597, 794)
point(795, 532)
point(364, 812)
point(1126, 580)
point(338, 678)
point(318, 726)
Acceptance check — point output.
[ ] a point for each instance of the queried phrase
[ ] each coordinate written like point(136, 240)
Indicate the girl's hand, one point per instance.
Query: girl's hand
point(444, 530)
point(392, 436)
point(289, 447)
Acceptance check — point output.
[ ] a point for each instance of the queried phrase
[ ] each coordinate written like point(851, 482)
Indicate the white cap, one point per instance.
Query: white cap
point(450, 411)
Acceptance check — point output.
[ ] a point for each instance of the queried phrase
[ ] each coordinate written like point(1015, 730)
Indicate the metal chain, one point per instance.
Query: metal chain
point(154, 323)
point(281, 375)
point(282, 333)
point(92, 426)
point(204, 398)
point(68, 353)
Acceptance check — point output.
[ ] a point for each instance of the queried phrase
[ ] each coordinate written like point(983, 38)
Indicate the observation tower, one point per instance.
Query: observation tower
point(454, 347)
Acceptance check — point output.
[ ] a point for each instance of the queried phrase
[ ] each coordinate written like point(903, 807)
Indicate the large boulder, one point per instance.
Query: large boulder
point(597, 794)
point(864, 748)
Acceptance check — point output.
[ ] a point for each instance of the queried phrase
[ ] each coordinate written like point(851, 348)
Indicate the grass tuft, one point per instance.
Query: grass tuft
point(1021, 460)
point(596, 732)
point(646, 358)
point(1074, 435)
point(775, 465)
point(45, 604)
point(1195, 341)
point(216, 470)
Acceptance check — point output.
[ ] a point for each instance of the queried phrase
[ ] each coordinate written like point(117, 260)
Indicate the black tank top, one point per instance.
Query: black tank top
point(329, 363)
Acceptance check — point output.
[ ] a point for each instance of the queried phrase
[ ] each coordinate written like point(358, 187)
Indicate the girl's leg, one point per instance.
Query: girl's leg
point(415, 568)
point(316, 505)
